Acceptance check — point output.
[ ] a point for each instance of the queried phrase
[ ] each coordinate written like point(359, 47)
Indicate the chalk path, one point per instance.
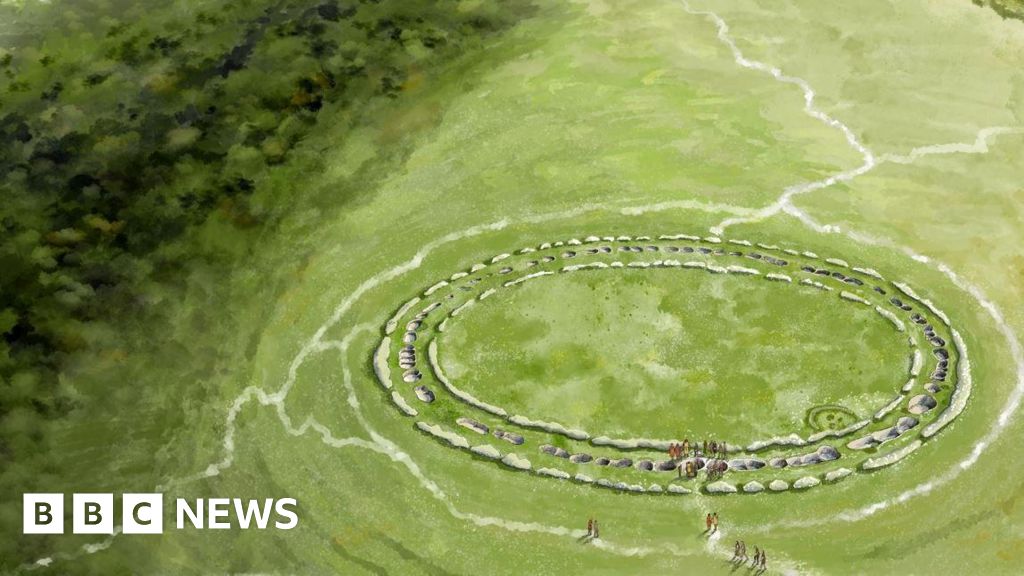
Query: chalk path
point(980, 145)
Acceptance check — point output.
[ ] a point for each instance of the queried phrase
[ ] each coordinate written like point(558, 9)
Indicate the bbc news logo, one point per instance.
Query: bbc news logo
point(144, 513)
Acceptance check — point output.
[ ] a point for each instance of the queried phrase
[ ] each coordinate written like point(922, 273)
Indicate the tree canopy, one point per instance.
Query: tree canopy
point(125, 125)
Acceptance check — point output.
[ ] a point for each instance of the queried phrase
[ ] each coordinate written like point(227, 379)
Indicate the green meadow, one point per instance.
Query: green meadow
point(663, 354)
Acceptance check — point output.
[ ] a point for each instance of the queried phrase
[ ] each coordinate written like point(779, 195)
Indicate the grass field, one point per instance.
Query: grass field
point(623, 118)
point(657, 354)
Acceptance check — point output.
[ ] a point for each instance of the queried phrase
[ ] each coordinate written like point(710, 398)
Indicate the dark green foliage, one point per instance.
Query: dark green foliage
point(126, 126)
point(1005, 8)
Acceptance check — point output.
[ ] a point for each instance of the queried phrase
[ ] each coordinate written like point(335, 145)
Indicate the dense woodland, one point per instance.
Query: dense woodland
point(125, 125)
point(1005, 8)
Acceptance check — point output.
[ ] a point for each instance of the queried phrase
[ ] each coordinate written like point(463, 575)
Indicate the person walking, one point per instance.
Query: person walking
point(708, 522)
point(714, 522)
point(757, 557)
point(743, 551)
point(736, 551)
point(590, 527)
point(597, 530)
point(763, 560)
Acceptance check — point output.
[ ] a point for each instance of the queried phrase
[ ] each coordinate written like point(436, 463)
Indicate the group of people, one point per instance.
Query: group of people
point(713, 449)
point(707, 449)
point(739, 554)
point(715, 469)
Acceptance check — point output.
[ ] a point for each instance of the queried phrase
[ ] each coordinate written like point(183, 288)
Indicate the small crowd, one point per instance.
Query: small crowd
point(707, 449)
point(739, 553)
point(739, 556)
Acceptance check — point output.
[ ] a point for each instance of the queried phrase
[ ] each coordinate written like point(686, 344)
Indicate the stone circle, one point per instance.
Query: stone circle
point(938, 388)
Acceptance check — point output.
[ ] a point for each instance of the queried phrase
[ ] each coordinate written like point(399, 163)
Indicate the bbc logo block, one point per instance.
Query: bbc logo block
point(92, 513)
point(142, 513)
point(42, 514)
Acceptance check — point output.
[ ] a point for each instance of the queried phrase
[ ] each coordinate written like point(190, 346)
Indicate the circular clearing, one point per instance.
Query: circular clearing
point(658, 354)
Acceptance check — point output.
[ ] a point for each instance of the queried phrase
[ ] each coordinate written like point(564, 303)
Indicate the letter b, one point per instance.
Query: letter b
point(93, 514)
point(42, 513)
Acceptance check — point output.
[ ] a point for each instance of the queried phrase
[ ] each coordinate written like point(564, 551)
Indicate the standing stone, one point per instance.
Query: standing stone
point(806, 482)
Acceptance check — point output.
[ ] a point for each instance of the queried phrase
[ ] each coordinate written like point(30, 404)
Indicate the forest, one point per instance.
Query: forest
point(1005, 8)
point(127, 125)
